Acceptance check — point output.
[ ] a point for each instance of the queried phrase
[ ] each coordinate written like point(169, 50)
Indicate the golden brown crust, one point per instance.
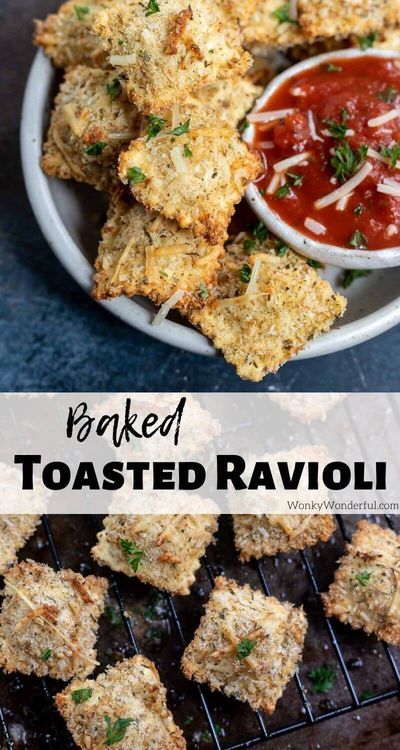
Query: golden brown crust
point(67, 38)
point(259, 332)
point(44, 611)
point(89, 126)
point(199, 191)
point(167, 55)
point(235, 614)
point(131, 690)
point(256, 536)
point(366, 589)
point(264, 27)
point(333, 18)
point(141, 252)
point(171, 546)
point(15, 530)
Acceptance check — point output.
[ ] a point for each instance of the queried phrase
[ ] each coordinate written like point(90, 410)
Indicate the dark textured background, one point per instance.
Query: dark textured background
point(53, 337)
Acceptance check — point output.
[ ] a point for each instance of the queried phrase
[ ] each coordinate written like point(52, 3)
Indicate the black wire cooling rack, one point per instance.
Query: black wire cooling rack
point(263, 734)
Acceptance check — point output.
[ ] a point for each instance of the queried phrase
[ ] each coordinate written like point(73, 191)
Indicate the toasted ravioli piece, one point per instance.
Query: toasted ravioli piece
point(228, 100)
point(91, 121)
point(261, 324)
point(132, 690)
point(167, 54)
point(247, 644)
point(198, 190)
point(334, 18)
point(67, 38)
point(141, 252)
point(15, 530)
point(365, 592)
point(270, 25)
point(48, 621)
point(256, 536)
point(168, 547)
point(241, 9)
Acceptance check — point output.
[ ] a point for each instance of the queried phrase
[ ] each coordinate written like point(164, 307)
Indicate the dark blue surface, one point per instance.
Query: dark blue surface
point(53, 337)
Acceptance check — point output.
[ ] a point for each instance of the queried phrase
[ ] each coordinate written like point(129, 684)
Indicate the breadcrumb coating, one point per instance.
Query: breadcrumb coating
point(247, 645)
point(366, 590)
point(259, 535)
point(15, 530)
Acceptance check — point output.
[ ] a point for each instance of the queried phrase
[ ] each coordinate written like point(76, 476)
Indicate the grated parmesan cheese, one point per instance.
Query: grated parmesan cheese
point(167, 306)
point(343, 190)
point(178, 160)
point(312, 128)
point(379, 157)
point(314, 226)
point(342, 203)
point(292, 161)
point(375, 122)
point(383, 187)
point(252, 286)
point(277, 114)
point(122, 60)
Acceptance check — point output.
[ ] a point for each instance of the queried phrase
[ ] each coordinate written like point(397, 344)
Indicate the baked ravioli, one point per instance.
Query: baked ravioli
point(259, 535)
point(141, 252)
point(227, 100)
point(266, 308)
point(166, 54)
point(91, 122)
point(271, 25)
point(67, 38)
point(194, 175)
point(247, 645)
point(164, 551)
point(366, 590)
point(15, 530)
point(125, 706)
point(49, 621)
point(332, 18)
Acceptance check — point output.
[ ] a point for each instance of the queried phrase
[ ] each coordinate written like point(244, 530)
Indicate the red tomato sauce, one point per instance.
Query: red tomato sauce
point(345, 93)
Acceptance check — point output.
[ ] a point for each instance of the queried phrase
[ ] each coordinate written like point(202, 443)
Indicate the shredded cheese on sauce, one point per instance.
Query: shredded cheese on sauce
point(383, 187)
point(311, 125)
point(277, 114)
point(292, 161)
point(273, 184)
point(343, 190)
point(167, 306)
point(375, 122)
point(342, 203)
point(314, 226)
point(379, 157)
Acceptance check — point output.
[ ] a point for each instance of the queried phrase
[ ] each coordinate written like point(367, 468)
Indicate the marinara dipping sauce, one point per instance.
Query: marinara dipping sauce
point(331, 141)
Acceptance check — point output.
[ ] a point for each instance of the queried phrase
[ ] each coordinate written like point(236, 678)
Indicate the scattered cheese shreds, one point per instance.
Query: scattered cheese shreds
point(268, 116)
point(342, 203)
point(178, 160)
point(273, 184)
point(292, 161)
point(167, 306)
point(388, 189)
point(252, 286)
point(314, 226)
point(343, 190)
point(311, 125)
point(122, 60)
point(375, 122)
point(379, 157)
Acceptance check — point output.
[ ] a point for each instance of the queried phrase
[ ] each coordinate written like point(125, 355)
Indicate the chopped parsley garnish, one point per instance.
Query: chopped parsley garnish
point(45, 655)
point(352, 274)
point(249, 244)
point(152, 7)
point(82, 695)
point(243, 125)
point(244, 648)
point(134, 174)
point(132, 552)
point(181, 129)
point(338, 129)
point(117, 731)
point(96, 148)
point(114, 88)
point(203, 291)
point(357, 239)
point(358, 209)
point(392, 153)
point(281, 248)
point(156, 125)
point(245, 273)
point(260, 232)
point(367, 41)
point(186, 151)
point(347, 161)
point(81, 11)
point(292, 179)
point(283, 191)
point(365, 694)
point(388, 95)
point(113, 616)
point(331, 68)
point(363, 577)
point(314, 263)
point(283, 14)
point(322, 679)
point(295, 179)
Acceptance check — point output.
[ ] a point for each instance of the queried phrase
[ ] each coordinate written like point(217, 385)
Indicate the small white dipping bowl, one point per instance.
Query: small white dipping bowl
point(334, 255)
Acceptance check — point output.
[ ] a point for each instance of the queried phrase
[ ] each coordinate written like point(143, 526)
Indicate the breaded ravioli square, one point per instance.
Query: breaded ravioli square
point(366, 589)
point(125, 706)
point(168, 52)
point(91, 122)
point(270, 25)
point(332, 18)
point(195, 178)
point(162, 550)
point(49, 621)
point(67, 38)
point(141, 252)
point(266, 308)
point(228, 100)
point(15, 530)
point(259, 535)
point(247, 645)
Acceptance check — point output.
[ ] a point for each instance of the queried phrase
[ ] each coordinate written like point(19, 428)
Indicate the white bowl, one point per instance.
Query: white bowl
point(69, 215)
point(316, 249)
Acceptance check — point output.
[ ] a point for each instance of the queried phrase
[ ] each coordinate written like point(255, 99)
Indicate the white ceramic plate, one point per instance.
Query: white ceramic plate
point(70, 217)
